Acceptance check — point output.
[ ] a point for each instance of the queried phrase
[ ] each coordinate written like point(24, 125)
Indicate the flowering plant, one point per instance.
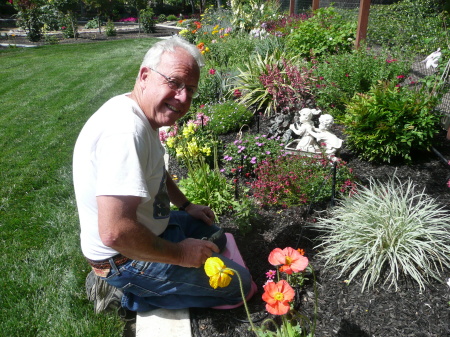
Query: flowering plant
point(298, 179)
point(279, 295)
point(191, 141)
point(243, 154)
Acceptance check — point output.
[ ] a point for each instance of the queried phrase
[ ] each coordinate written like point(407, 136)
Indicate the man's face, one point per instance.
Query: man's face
point(163, 105)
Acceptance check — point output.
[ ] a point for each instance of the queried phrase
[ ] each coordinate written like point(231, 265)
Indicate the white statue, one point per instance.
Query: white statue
point(307, 142)
point(329, 141)
point(314, 140)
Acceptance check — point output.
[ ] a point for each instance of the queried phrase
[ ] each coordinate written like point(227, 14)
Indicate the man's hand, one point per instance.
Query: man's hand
point(201, 212)
point(194, 252)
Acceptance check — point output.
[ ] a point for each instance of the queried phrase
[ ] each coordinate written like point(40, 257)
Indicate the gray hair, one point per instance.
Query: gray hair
point(153, 55)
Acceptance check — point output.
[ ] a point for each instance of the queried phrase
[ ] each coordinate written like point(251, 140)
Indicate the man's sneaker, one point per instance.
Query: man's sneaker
point(105, 296)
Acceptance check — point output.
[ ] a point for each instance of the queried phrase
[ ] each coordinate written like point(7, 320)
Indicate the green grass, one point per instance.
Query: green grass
point(47, 94)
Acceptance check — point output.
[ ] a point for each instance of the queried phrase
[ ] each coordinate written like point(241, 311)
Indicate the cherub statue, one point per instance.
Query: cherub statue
point(302, 126)
point(324, 137)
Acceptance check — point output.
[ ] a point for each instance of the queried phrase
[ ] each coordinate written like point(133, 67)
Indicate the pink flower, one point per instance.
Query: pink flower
point(448, 183)
point(400, 76)
point(212, 71)
point(290, 259)
point(271, 274)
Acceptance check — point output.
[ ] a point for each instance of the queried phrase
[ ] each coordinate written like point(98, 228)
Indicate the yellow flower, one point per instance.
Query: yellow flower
point(206, 150)
point(219, 274)
point(170, 142)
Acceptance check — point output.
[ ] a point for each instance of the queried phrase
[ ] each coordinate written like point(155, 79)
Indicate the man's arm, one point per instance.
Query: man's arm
point(177, 198)
point(120, 230)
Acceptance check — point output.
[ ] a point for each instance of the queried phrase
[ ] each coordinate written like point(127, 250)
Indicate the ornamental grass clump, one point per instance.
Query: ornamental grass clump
point(385, 232)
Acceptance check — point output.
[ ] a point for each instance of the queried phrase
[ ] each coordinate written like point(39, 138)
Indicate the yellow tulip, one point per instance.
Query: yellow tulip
point(219, 274)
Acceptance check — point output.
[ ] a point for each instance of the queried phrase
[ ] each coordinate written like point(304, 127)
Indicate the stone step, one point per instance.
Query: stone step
point(164, 323)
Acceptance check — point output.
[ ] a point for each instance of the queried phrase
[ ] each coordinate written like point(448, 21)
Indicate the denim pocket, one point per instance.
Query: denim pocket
point(139, 291)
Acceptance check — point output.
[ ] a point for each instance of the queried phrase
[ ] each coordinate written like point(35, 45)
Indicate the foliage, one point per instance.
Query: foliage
point(324, 33)
point(92, 24)
point(244, 153)
point(339, 77)
point(274, 84)
point(247, 14)
point(293, 180)
point(206, 186)
point(147, 20)
point(171, 17)
point(390, 122)
point(289, 86)
point(227, 116)
point(162, 18)
point(110, 29)
point(30, 18)
point(212, 87)
point(229, 51)
point(413, 25)
point(385, 231)
point(69, 25)
point(283, 25)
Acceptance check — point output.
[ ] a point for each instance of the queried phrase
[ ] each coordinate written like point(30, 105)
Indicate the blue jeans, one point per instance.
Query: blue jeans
point(151, 285)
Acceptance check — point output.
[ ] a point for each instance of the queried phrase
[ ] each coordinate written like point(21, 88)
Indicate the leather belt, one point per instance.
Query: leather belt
point(118, 260)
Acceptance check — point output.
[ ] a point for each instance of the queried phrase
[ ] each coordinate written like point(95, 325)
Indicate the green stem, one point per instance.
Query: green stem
point(244, 300)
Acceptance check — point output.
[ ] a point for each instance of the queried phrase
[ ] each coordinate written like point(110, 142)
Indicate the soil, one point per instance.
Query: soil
point(343, 310)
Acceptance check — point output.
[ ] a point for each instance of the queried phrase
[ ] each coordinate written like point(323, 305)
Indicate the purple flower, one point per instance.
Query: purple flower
point(253, 161)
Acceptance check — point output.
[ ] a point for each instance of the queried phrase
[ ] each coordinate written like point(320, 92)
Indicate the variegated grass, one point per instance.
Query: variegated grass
point(384, 232)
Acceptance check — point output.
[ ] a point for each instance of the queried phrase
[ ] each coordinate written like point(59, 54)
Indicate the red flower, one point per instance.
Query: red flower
point(290, 259)
point(212, 71)
point(277, 296)
point(237, 93)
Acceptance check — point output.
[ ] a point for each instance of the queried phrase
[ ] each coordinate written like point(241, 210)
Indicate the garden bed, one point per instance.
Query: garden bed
point(343, 310)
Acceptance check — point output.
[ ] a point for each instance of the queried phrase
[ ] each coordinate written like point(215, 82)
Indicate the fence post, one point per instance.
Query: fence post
point(363, 20)
point(315, 5)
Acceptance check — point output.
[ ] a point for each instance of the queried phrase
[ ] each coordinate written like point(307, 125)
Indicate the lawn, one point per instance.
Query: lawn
point(47, 95)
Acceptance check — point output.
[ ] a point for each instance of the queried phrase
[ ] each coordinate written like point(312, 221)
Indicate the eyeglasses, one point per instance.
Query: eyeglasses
point(179, 86)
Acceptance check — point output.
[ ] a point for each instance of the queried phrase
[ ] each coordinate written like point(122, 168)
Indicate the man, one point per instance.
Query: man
point(143, 255)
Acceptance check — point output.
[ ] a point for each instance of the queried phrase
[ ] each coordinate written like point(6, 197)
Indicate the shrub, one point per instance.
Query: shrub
point(324, 33)
point(384, 231)
point(293, 180)
point(69, 26)
point(92, 24)
point(147, 21)
point(172, 17)
point(244, 153)
point(392, 122)
point(110, 29)
point(230, 51)
point(162, 18)
point(413, 25)
point(227, 116)
point(340, 77)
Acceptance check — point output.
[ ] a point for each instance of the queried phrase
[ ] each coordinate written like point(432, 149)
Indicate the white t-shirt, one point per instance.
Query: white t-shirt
point(118, 153)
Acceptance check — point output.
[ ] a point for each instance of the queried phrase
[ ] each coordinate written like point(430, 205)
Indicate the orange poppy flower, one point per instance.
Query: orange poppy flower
point(277, 297)
point(291, 261)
